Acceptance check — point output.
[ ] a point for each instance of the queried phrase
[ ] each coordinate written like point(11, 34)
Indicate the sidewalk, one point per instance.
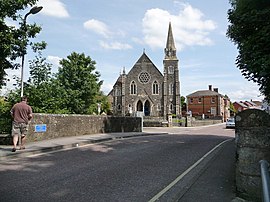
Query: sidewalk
point(64, 143)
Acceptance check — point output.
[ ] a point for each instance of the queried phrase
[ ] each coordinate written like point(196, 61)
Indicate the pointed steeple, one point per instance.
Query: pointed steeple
point(170, 50)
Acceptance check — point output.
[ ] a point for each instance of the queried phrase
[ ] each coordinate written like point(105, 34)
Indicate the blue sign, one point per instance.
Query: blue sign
point(40, 128)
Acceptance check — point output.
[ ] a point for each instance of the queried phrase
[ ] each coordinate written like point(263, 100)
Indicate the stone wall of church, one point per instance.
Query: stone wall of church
point(149, 74)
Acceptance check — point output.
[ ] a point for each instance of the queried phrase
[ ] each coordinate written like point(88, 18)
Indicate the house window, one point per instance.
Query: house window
point(171, 89)
point(199, 100)
point(191, 100)
point(213, 99)
point(133, 88)
point(213, 111)
point(155, 88)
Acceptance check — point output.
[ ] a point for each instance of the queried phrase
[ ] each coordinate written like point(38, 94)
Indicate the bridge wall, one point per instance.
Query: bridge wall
point(253, 144)
point(60, 125)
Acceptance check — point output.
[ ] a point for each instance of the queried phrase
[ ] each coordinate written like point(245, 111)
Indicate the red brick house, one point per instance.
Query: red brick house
point(240, 106)
point(208, 103)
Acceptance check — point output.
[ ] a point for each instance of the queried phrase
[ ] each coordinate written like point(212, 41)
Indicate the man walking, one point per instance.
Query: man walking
point(22, 114)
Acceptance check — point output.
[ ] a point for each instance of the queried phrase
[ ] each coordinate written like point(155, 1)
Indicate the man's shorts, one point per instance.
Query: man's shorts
point(19, 129)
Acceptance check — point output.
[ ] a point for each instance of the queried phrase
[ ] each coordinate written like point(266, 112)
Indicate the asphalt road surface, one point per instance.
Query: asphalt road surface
point(133, 169)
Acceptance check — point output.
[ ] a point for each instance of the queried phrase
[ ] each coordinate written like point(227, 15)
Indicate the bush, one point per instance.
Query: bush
point(5, 117)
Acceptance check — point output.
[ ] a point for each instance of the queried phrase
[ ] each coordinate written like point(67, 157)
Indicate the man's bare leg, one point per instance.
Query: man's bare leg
point(15, 141)
point(23, 140)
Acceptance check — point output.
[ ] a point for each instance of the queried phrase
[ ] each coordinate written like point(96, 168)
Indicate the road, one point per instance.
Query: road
point(133, 169)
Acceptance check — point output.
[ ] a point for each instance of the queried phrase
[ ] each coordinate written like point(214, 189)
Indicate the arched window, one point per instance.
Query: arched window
point(155, 88)
point(171, 89)
point(170, 70)
point(171, 107)
point(133, 88)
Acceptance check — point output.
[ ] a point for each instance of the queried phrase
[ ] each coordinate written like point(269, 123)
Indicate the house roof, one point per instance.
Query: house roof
point(204, 93)
point(241, 104)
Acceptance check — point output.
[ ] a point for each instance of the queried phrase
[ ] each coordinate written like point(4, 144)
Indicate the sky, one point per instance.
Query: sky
point(115, 33)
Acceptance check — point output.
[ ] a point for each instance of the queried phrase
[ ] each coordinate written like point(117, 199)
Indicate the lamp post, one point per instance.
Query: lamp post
point(33, 11)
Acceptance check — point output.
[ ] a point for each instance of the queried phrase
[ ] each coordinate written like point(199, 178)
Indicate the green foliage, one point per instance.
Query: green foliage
point(13, 40)
point(74, 89)
point(80, 82)
point(5, 118)
point(250, 31)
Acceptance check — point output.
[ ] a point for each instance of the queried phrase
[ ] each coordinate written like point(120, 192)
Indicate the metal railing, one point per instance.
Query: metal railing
point(265, 180)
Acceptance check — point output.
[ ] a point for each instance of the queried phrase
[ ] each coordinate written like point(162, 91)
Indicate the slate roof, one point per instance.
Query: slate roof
point(200, 93)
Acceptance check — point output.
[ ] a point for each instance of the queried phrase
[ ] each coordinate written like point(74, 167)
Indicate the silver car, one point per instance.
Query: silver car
point(230, 123)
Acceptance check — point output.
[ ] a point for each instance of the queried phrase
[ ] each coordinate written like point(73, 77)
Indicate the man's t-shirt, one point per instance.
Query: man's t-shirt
point(22, 112)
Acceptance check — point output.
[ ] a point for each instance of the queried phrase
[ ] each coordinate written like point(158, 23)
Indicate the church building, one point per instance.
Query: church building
point(146, 90)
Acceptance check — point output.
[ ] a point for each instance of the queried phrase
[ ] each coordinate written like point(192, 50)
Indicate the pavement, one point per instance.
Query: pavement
point(214, 183)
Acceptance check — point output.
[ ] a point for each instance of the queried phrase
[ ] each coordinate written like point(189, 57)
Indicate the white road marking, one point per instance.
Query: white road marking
point(157, 196)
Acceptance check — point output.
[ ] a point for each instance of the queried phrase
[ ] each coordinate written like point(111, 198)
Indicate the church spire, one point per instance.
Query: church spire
point(170, 50)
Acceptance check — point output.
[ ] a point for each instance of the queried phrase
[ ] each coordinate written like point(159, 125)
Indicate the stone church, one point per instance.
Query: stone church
point(146, 90)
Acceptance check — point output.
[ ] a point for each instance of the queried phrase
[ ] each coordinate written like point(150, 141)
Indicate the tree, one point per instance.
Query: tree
point(13, 40)
point(80, 82)
point(250, 31)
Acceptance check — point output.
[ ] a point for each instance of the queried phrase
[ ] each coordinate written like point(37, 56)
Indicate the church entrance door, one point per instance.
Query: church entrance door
point(147, 108)
point(139, 106)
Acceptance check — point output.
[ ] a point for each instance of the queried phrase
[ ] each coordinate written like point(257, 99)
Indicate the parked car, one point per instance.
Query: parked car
point(230, 123)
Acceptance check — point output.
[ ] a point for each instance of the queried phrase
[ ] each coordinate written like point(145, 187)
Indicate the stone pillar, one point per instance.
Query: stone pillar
point(169, 120)
point(252, 134)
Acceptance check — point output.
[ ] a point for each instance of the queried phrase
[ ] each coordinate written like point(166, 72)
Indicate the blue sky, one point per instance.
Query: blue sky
point(115, 33)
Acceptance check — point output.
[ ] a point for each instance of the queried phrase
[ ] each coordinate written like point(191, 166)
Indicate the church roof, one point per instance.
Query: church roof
point(145, 59)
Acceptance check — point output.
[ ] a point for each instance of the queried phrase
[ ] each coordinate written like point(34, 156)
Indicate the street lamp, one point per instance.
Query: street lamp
point(33, 11)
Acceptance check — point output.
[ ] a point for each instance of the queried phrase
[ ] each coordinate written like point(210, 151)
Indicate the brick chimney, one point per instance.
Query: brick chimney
point(210, 87)
point(216, 90)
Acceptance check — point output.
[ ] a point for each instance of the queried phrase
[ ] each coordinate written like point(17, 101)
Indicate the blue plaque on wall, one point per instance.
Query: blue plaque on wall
point(40, 128)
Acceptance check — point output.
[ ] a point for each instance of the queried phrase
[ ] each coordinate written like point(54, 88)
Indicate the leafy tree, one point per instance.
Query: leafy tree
point(183, 103)
point(13, 40)
point(250, 31)
point(80, 82)
point(5, 118)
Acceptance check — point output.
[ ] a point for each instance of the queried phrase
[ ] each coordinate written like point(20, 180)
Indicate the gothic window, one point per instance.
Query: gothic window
point(199, 100)
point(144, 77)
point(171, 89)
point(191, 100)
point(213, 99)
point(117, 91)
point(171, 107)
point(170, 70)
point(133, 88)
point(119, 107)
point(155, 88)
point(158, 107)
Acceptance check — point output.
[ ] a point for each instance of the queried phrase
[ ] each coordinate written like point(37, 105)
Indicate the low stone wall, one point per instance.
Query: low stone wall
point(60, 125)
point(192, 122)
point(253, 144)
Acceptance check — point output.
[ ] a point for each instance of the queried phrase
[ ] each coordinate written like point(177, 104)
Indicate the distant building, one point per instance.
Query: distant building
point(208, 103)
point(243, 105)
point(239, 106)
point(144, 89)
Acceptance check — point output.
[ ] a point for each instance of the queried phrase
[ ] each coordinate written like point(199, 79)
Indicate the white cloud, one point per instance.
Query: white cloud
point(115, 45)
point(98, 27)
point(55, 62)
point(189, 27)
point(53, 8)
